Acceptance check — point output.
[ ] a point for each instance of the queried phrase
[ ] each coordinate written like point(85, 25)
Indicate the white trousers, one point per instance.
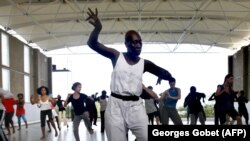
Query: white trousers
point(121, 116)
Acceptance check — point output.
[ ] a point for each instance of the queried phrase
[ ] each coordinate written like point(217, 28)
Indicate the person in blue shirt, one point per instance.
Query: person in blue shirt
point(171, 97)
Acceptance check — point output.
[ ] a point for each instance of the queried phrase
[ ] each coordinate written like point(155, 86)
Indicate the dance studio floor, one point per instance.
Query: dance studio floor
point(33, 133)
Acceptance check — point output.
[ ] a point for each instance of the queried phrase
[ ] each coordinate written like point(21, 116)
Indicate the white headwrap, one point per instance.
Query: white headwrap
point(6, 94)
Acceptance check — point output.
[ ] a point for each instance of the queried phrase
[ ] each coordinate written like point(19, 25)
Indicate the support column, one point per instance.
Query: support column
point(246, 70)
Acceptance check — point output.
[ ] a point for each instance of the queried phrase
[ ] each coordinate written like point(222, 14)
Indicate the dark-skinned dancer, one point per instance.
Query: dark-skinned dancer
point(125, 110)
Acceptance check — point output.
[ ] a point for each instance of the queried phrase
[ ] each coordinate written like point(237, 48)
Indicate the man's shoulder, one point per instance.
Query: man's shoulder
point(146, 61)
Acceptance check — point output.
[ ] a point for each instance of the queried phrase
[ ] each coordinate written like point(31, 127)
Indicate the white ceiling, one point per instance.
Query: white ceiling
point(54, 24)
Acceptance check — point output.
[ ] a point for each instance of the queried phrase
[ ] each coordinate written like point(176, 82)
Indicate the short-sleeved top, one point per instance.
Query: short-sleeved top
point(60, 105)
point(20, 108)
point(20, 111)
point(8, 104)
point(194, 103)
point(103, 103)
point(150, 105)
point(79, 105)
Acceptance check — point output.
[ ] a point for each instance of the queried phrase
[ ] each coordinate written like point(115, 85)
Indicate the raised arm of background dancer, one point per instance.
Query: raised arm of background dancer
point(66, 101)
point(34, 99)
point(150, 92)
point(95, 97)
point(93, 42)
point(241, 98)
point(219, 90)
point(203, 96)
point(212, 97)
point(186, 101)
point(156, 70)
point(163, 95)
point(52, 101)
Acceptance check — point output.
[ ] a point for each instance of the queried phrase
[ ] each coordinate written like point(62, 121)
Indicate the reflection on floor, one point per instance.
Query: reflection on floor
point(33, 133)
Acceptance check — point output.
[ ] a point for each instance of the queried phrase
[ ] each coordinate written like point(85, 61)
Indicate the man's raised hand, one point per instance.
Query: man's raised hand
point(93, 18)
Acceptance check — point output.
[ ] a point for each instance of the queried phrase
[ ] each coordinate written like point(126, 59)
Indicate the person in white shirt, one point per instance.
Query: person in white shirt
point(103, 100)
point(44, 103)
point(152, 107)
point(125, 109)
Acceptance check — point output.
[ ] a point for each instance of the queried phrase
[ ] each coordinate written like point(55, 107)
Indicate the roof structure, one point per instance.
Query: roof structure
point(55, 24)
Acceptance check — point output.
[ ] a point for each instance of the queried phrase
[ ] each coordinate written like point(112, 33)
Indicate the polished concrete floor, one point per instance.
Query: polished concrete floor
point(33, 133)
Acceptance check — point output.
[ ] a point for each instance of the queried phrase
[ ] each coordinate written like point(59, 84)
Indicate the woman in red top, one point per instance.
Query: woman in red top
point(9, 106)
point(20, 111)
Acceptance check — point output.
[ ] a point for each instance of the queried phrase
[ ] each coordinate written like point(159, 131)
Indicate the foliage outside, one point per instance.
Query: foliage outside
point(209, 110)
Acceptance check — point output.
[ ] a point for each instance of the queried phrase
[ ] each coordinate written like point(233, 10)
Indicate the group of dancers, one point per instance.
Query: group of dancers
point(7, 112)
point(125, 108)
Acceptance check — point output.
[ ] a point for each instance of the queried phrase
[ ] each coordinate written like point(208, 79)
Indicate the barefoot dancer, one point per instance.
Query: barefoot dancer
point(44, 103)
